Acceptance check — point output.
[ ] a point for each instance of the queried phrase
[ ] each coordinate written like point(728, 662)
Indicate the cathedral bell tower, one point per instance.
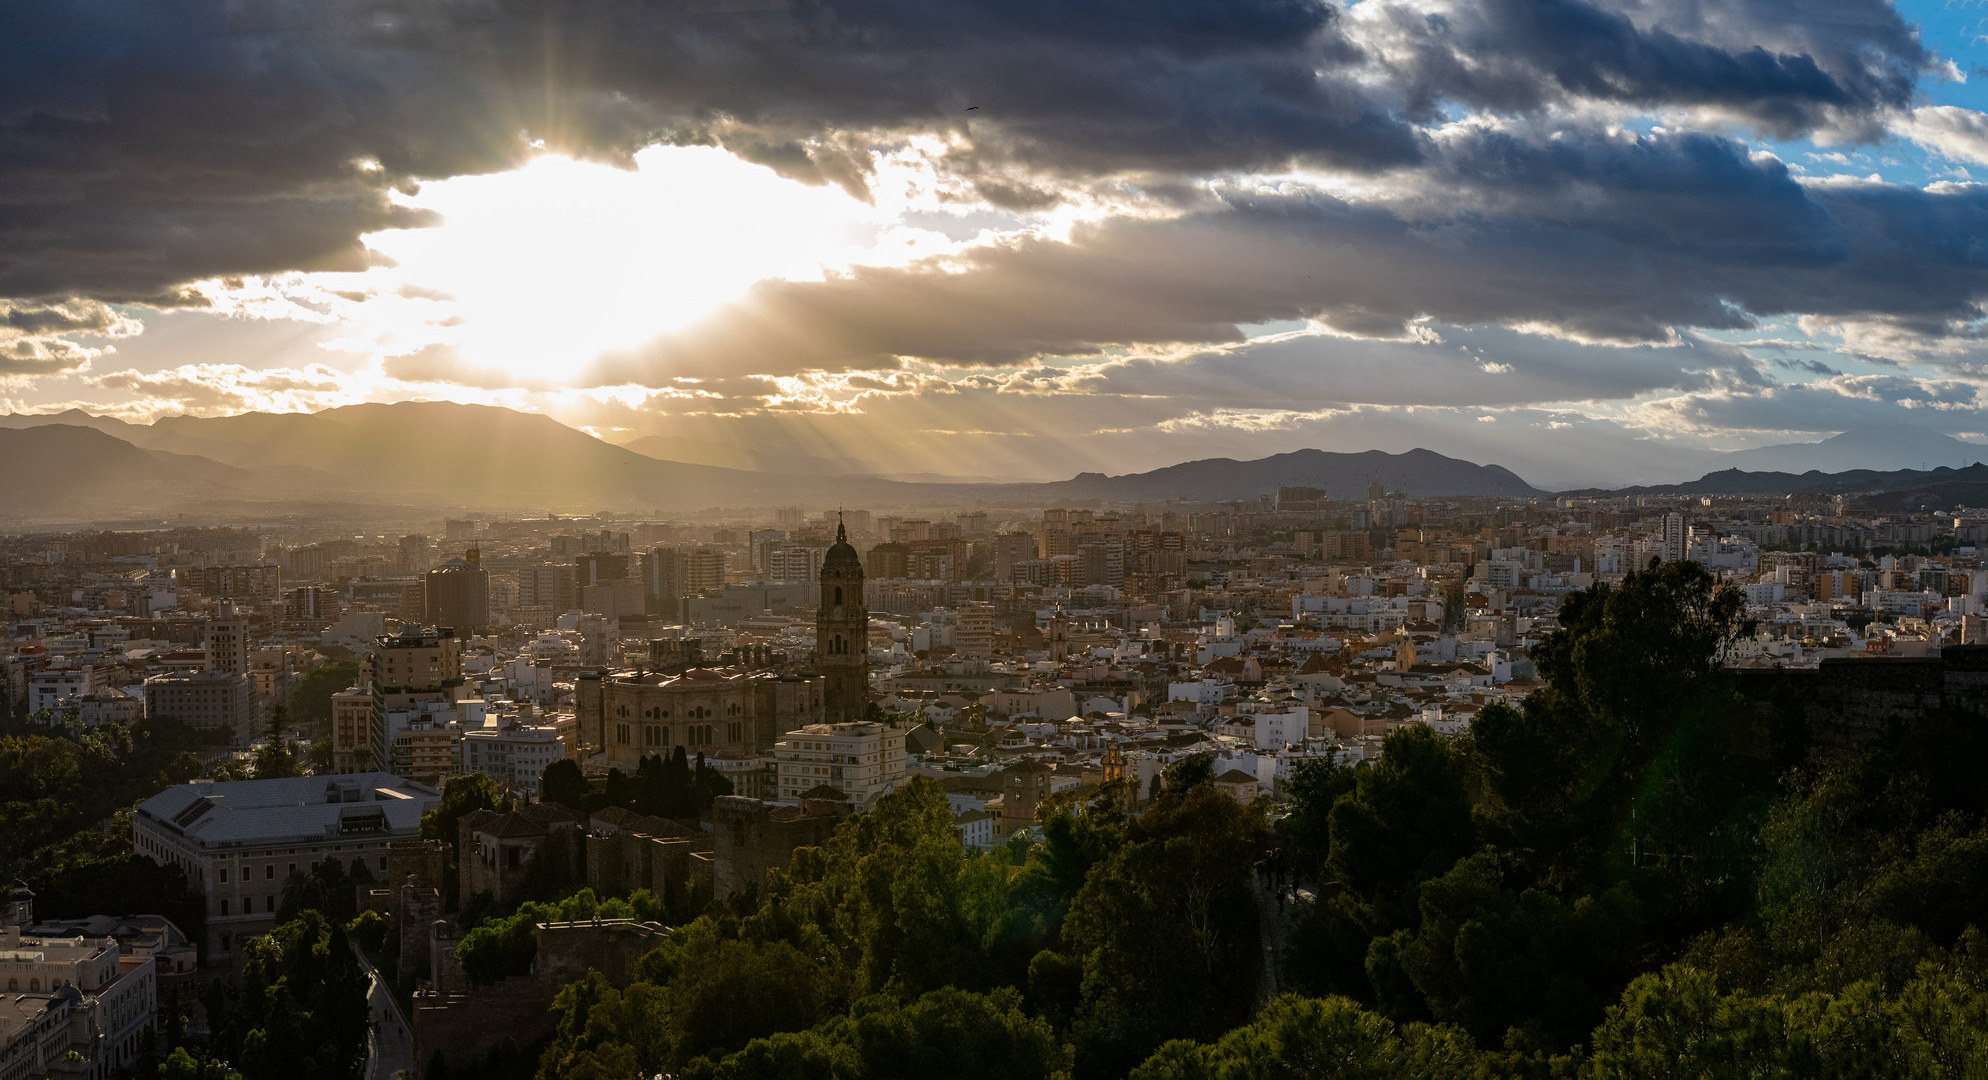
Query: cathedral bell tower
point(842, 634)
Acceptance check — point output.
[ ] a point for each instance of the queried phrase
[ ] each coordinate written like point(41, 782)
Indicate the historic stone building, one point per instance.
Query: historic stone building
point(842, 634)
point(627, 716)
point(751, 837)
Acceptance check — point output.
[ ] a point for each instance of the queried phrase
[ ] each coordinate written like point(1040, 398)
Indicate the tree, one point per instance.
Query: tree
point(1167, 930)
point(462, 795)
point(310, 702)
point(274, 760)
point(1407, 819)
point(302, 1011)
point(563, 783)
point(1319, 1039)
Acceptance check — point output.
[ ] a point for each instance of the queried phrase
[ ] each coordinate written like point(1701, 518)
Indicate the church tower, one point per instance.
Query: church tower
point(842, 634)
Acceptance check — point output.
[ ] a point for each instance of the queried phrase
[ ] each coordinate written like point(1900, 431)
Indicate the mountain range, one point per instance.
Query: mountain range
point(442, 455)
point(1886, 449)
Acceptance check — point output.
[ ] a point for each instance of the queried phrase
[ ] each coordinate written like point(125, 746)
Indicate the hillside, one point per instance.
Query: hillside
point(449, 455)
point(62, 469)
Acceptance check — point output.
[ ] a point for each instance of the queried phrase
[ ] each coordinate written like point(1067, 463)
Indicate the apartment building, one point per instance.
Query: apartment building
point(863, 760)
point(515, 755)
point(211, 700)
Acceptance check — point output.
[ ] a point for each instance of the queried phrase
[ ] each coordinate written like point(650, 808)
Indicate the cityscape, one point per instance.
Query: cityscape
point(830, 540)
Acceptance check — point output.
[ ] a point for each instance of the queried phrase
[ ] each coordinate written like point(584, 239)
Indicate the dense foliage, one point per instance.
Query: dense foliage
point(65, 779)
point(1646, 870)
point(502, 947)
point(1125, 931)
point(300, 1012)
point(673, 786)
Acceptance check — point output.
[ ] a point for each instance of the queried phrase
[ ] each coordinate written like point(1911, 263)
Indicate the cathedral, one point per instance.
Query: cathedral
point(842, 634)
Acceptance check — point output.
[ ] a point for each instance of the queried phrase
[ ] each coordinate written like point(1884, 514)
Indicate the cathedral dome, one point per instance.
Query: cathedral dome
point(841, 559)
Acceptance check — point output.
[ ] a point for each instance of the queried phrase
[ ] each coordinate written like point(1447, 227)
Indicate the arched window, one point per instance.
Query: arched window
point(13, 986)
point(838, 594)
point(34, 985)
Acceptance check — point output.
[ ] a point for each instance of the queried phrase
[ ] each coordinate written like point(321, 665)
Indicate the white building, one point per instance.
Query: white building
point(976, 829)
point(1275, 731)
point(515, 755)
point(240, 841)
point(118, 993)
point(863, 760)
point(59, 688)
point(1201, 692)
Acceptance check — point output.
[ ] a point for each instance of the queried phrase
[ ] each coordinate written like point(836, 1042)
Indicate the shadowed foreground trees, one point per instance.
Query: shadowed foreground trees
point(1637, 873)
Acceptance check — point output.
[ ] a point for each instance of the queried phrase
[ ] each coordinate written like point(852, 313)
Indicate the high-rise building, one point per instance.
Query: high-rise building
point(352, 731)
point(1009, 549)
point(1673, 538)
point(595, 567)
point(973, 635)
point(706, 572)
point(458, 593)
point(665, 581)
point(890, 561)
point(227, 641)
point(842, 634)
point(548, 587)
point(1057, 539)
point(405, 671)
point(761, 541)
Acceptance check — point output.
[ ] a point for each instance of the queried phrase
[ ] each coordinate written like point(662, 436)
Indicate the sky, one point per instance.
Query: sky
point(1591, 242)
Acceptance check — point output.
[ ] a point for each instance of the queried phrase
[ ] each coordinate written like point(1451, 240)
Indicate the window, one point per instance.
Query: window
point(269, 872)
point(269, 904)
point(838, 594)
point(621, 733)
point(383, 864)
point(224, 907)
point(224, 875)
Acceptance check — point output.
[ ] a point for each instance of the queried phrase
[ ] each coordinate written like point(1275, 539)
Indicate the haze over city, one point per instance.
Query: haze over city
point(1097, 540)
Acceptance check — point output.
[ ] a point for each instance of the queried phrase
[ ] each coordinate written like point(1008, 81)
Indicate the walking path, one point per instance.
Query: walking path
point(389, 1045)
point(1280, 905)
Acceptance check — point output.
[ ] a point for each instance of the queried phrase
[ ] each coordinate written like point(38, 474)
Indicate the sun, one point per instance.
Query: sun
point(535, 272)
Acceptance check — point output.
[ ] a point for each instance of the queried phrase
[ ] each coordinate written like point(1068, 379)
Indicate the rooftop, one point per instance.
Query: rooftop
point(309, 809)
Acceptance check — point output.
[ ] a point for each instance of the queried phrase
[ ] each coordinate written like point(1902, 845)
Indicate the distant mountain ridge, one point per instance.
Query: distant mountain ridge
point(452, 456)
point(1890, 492)
point(1340, 476)
point(1881, 449)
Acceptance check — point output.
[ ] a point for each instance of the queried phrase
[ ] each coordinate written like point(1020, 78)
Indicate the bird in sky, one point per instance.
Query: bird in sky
point(971, 108)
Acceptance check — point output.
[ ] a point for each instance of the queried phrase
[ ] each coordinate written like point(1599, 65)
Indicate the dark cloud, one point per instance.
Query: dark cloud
point(146, 144)
point(1625, 239)
point(1788, 68)
point(1812, 367)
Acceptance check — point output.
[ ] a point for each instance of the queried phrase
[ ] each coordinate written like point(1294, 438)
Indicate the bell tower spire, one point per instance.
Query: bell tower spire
point(842, 632)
